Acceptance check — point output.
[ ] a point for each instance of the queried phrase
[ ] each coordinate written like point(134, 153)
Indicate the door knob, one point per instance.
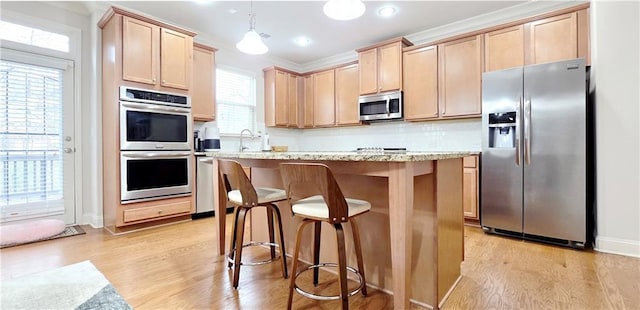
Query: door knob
point(68, 150)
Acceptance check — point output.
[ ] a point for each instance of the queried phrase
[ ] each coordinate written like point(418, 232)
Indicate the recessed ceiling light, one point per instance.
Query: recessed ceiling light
point(202, 2)
point(232, 11)
point(302, 41)
point(387, 11)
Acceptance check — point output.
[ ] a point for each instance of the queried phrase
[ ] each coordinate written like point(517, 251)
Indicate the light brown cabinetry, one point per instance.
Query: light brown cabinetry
point(155, 55)
point(204, 87)
point(420, 83)
point(504, 48)
point(346, 89)
point(281, 97)
point(381, 66)
point(460, 76)
point(324, 98)
point(553, 39)
point(139, 52)
point(470, 188)
point(309, 95)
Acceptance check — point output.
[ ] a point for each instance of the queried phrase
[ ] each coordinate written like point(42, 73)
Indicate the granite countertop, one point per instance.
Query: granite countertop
point(343, 156)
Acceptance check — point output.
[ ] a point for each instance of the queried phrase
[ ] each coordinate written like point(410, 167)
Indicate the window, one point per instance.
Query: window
point(32, 36)
point(31, 125)
point(236, 101)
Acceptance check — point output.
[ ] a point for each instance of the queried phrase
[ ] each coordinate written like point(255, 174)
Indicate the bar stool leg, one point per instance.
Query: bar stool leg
point(239, 241)
point(358, 248)
point(316, 250)
point(271, 235)
point(342, 266)
point(294, 268)
point(283, 251)
point(232, 244)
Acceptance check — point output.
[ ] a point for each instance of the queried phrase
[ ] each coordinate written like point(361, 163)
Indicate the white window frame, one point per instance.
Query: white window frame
point(253, 98)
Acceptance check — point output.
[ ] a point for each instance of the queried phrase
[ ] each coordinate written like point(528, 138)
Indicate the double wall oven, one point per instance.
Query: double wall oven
point(155, 145)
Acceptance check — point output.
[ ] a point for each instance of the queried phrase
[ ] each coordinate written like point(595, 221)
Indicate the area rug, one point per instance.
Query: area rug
point(8, 241)
point(79, 286)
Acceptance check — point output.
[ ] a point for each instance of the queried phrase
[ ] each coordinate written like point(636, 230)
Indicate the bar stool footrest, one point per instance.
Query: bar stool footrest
point(322, 297)
point(252, 243)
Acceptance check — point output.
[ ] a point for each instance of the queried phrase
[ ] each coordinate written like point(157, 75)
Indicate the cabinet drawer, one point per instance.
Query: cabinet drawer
point(469, 161)
point(163, 210)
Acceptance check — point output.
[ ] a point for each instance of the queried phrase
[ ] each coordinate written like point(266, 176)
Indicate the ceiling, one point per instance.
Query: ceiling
point(286, 20)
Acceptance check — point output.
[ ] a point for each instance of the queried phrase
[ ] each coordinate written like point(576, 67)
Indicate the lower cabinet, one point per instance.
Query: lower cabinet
point(470, 189)
point(157, 211)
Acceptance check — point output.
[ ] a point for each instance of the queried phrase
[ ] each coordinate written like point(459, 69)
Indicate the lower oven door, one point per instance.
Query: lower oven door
point(149, 175)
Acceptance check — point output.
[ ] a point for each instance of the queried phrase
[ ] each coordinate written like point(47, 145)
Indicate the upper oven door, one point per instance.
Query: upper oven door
point(145, 126)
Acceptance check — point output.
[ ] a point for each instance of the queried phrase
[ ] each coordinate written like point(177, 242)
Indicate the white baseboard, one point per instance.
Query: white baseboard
point(624, 247)
point(94, 220)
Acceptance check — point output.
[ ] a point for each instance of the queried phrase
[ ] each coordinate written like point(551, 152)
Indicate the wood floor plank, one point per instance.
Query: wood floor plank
point(176, 267)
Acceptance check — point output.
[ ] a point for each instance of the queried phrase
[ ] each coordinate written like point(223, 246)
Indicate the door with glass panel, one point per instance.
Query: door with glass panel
point(37, 148)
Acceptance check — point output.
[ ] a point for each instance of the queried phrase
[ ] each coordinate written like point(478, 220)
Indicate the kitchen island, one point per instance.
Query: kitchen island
point(414, 229)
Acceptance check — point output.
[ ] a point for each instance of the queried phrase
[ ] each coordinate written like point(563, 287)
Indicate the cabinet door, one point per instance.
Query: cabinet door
point(347, 95)
point(176, 56)
point(504, 48)
point(324, 103)
point(390, 67)
point(584, 42)
point(203, 90)
point(293, 100)
point(553, 39)
point(269, 98)
point(139, 51)
point(282, 98)
point(420, 83)
point(460, 64)
point(309, 94)
point(368, 61)
point(470, 193)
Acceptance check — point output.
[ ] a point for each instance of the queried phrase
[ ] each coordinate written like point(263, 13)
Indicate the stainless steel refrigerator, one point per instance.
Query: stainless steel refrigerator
point(537, 163)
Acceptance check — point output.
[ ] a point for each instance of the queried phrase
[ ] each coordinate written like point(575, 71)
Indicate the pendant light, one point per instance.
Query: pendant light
point(344, 9)
point(252, 43)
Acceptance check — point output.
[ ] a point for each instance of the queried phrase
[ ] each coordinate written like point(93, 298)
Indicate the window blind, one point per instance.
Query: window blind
point(235, 98)
point(31, 119)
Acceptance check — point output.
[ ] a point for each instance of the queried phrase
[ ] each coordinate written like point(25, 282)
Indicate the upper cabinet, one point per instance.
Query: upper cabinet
point(281, 97)
point(420, 83)
point(460, 76)
point(203, 90)
point(155, 55)
point(504, 48)
point(324, 99)
point(549, 39)
point(346, 89)
point(309, 95)
point(381, 66)
point(553, 39)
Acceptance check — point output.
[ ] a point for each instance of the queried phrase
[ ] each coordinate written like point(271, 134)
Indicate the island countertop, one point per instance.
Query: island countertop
point(344, 156)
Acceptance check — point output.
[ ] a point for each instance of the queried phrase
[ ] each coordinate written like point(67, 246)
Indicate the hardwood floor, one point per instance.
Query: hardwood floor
point(175, 267)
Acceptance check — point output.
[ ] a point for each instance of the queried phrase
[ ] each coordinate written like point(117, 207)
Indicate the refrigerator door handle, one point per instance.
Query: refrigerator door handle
point(517, 133)
point(527, 131)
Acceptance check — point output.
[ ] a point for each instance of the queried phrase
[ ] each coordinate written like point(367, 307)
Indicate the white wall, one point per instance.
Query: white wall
point(616, 68)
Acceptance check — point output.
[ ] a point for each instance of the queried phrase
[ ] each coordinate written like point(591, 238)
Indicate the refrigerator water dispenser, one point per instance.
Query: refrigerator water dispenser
point(502, 130)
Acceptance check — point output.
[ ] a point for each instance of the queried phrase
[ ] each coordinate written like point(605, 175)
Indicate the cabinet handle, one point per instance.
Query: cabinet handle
point(159, 211)
point(153, 80)
point(164, 81)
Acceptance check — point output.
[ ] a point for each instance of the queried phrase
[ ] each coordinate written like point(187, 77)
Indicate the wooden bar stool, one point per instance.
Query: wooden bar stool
point(331, 207)
point(245, 197)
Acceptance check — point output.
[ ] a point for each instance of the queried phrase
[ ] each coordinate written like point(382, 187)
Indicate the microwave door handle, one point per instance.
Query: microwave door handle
point(154, 107)
point(156, 155)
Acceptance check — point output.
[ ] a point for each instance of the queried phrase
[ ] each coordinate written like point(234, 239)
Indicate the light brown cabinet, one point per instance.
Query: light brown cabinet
point(553, 39)
point(470, 188)
point(504, 48)
point(156, 55)
point(309, 95)
point(204, 86)
point(381, 66)
point(460, 76)
point(324, 99)
point(346, 91)
point(420, 83)
point(281, 97)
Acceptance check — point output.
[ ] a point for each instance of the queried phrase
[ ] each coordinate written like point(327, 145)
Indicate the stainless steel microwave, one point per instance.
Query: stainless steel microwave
point(382, 106)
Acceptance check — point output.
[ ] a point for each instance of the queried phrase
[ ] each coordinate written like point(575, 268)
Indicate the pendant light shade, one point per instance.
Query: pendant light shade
point(344, 9)
point(252, 43)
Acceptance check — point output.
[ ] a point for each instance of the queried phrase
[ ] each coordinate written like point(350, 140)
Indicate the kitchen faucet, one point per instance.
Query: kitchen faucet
point(242, 147)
